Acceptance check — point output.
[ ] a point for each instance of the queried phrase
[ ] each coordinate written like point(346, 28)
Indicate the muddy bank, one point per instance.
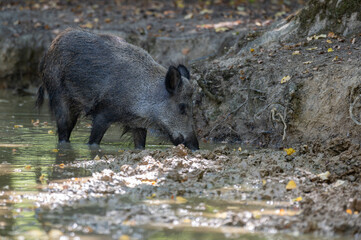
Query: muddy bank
point(289, 92)
point(243, 191)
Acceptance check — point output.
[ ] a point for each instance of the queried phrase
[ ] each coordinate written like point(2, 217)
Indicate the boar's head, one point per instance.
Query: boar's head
point(175, 114)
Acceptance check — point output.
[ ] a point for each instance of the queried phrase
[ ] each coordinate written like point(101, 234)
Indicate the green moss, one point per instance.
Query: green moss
point(328, 10)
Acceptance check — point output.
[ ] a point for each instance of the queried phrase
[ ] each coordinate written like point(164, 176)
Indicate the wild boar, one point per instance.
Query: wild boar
point(104, 77)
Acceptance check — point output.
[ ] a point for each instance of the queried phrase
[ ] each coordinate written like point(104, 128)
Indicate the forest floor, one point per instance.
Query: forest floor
point(315, 190)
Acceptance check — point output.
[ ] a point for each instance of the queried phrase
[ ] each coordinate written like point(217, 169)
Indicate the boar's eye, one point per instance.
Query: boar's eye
point(183, 108)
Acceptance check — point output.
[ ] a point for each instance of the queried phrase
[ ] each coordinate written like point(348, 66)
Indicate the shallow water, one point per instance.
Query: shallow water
point(30, 159)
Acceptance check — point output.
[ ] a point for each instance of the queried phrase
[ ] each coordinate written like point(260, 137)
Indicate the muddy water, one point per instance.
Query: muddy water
point(33, 207)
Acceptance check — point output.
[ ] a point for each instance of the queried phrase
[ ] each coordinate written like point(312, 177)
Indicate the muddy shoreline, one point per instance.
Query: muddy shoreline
point(325, 201)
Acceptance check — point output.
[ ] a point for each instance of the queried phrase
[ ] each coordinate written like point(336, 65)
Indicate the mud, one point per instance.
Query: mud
point(242, 190)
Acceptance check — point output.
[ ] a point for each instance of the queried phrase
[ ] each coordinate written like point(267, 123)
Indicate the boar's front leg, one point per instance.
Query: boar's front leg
point(99, 127)
point(139, 136)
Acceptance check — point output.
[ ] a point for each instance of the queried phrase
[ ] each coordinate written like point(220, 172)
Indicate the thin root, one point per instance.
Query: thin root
point(274, 115)
point(351, 110)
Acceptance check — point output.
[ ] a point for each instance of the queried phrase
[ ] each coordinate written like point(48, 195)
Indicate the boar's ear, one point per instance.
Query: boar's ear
point(184, 71)
point(173, 80)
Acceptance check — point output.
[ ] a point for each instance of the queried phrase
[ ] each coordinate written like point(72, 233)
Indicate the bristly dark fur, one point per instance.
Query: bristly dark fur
point(40, 99)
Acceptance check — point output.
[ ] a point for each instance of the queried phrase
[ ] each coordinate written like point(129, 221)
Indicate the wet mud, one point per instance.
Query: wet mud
point(313, 192)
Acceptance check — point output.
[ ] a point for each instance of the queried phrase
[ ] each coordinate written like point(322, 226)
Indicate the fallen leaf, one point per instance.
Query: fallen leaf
point(152, 196)
point(185, 51)
point(308, 62)
point(42, 177)
point(206, 11)
point(240, 149)
point(55, 150)
point(324, 176)
point(124, 237)
point(332, 35)
point(96, 158)
point(188, 16)
point(330, 50)
point(291, 185)
point(180, 3)
point(27, 167)
point(297, 199)
point(61, 165)
point(320, 36)
point(335, 59)
point(285, 79)
point(349, 211)
point(281, 211)
point(222, 29)
point(289, 151)
point(313, 48)
point(35, 123)
point(180, 200)
point(296, 53)
point(221, 24)
point(316, 37)
point(18, 126)
point(50, 132)
point(87, 25)
point(328, 41)
point(252, 49)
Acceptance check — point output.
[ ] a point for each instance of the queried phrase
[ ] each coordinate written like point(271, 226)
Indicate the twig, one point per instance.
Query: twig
point(351, 110)
point(274, 114)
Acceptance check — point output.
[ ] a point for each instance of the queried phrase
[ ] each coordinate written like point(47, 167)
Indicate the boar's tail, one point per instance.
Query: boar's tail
point(40, 99)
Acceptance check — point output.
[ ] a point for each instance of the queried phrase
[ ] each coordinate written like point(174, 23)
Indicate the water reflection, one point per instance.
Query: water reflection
point(30, 156)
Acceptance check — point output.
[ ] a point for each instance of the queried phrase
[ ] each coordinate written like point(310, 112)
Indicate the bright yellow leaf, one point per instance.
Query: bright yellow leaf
point(50, 132)
point(61, 165)
point(285, 79)
point(291, 185)
point(349, 211)
point(18, 126)
point(252, 50)
point(330, 50)
point(297, 199)
point(55, 150)
point(289, 151)
point(28, 167)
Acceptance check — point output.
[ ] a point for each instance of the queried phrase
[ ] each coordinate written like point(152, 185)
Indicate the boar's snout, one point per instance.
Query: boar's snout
point(190, 142)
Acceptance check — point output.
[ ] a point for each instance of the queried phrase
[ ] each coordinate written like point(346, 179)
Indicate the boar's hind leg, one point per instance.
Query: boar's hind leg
point(66, 118)
point(100, 126)
point(139, 136)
